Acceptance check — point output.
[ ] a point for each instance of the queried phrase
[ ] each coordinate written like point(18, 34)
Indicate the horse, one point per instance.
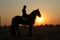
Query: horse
point(19, 20)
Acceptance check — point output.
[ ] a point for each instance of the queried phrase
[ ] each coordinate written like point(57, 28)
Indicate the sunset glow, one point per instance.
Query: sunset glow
point(49, 9)
point(39, 19)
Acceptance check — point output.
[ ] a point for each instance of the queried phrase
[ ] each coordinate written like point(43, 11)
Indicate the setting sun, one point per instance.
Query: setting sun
point(39, 19)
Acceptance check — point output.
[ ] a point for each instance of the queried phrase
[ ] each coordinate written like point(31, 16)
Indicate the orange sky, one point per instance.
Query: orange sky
point(49, 9)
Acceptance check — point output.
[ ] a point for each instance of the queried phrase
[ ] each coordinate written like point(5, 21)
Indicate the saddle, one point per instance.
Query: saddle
point(24, 19)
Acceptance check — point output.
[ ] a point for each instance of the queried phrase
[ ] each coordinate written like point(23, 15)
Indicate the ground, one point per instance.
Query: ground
point(39, 33)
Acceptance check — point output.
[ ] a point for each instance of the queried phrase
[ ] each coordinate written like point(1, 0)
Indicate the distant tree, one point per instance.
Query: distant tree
point(51, 25)
point(57, 25)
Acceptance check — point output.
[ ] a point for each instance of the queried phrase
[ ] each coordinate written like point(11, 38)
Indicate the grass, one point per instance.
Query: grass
point(43, 32)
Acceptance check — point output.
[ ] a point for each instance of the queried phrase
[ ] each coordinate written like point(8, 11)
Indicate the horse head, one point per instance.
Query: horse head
point(38, 13)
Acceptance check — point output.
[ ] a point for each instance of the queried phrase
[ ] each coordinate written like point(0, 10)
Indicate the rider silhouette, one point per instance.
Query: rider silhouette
point(24, 13)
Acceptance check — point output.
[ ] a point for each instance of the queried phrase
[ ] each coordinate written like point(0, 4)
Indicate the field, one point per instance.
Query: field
point(42, 32)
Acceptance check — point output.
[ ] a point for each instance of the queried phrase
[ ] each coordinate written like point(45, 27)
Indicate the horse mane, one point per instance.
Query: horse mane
point(33, 12)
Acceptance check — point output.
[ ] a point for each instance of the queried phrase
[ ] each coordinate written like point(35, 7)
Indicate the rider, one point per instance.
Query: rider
point(24, 13)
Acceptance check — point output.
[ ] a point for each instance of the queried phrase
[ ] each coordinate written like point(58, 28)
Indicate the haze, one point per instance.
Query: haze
point(49, 9)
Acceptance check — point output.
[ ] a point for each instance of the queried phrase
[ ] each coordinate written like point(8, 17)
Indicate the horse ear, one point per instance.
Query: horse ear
point(37, 9)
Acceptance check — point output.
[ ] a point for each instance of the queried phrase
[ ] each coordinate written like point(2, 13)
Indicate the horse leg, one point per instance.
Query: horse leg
point(30, 31)
point(17, 27)
point(13, 32)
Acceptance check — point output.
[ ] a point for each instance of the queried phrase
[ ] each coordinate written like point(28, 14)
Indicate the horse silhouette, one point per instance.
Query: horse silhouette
point(20, 20)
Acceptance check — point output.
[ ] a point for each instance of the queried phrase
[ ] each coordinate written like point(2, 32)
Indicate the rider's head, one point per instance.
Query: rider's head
point(24, 6)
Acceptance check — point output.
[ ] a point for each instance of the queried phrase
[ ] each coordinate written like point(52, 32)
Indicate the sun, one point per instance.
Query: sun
point(39, 19)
